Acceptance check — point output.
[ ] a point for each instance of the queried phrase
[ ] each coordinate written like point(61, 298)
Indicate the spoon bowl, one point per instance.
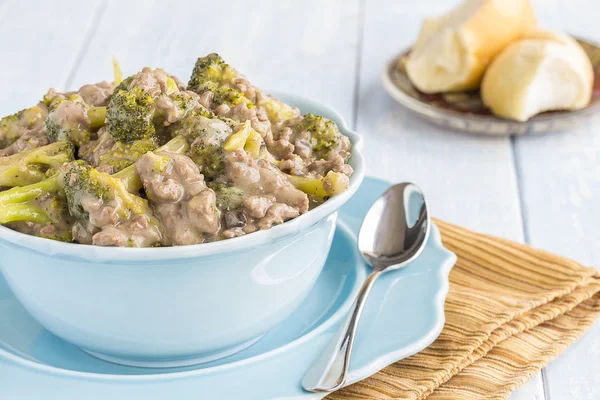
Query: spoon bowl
point(395, 227)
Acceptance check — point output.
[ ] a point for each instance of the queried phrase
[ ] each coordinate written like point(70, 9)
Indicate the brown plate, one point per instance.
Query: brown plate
point(465, 111)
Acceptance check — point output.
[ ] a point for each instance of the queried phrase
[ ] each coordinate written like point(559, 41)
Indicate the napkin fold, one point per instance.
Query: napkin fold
point(510, 310)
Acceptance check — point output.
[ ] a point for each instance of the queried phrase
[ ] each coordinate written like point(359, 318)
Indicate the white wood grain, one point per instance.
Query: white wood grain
point(308, 48)
point(560, 188)
point(40, 45)
point(469, 180)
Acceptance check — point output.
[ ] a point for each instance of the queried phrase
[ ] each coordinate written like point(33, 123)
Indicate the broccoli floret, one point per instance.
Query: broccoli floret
point(211, 160)
point(90, 194)
point(122, 155)
point(185, 103)
point(324, 134)
point(321, 188)
point(137, 112)
point(31, 166)
point(82, 183)
point(130, 114)
point(73, 120)
point(125, 84)
point(197, 121)
point(230, 96)
point(229, 198)
point(212, 74)
point(13, 126)
point(206, 135)
point(209, 73)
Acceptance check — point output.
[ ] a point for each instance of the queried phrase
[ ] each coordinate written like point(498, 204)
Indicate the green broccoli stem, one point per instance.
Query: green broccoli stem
point(20, 175)
point(18, 204)
point(97, 116)
point(23, 212)
point(330, 185)
point(30, 192)
point(30, 166)
point(177, 145)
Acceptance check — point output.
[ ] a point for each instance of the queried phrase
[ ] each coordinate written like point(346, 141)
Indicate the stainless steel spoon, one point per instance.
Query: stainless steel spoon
point(394, 233)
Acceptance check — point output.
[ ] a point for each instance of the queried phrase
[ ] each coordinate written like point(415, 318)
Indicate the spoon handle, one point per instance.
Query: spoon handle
point(328, 373)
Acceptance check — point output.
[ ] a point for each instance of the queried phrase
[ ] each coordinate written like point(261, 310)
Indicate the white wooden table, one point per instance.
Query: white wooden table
point(541, 190)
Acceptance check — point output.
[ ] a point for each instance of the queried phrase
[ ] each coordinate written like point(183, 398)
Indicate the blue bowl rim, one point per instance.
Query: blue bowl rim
point(100, 254)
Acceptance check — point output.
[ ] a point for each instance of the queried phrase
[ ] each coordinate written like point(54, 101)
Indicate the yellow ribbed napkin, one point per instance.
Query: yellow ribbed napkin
point(510, 310)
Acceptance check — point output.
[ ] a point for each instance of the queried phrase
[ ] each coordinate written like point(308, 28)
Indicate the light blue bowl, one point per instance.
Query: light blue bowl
point(176, 306)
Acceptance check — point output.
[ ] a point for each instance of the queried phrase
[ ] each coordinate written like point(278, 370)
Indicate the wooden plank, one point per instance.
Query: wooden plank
point(307, 48)
point(560, 188)
point(39, 48)
point(469, 180)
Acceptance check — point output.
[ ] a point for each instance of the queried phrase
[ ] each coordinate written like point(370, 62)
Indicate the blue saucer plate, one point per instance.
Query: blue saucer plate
point(403, 315)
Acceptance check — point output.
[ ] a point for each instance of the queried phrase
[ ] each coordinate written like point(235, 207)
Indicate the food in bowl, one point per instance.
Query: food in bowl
point(177, 305)
point(147, 161)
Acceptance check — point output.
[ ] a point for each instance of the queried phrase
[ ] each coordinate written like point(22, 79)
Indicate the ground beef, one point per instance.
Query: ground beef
point(277, 214)
point(180, 197)
point(133, 233)
point(274, 182)
point(282, 148)
point(206, 99)
point(153, 81)
point(334, 162)
point(175, 108)
point(54, 95)
point(172, 105)
point(242, 113)
point(241, 83)
point(71, 116)
point(180, 179)
point(96, 95)
point(92, 151)
point(27, 140)
point(83, 232)
point(263, 178)
point(106, 226)
point(272, 198)
point(202, 212)
point(28, 132)
point(293, 166)
point(257, 206)
point(303, 148)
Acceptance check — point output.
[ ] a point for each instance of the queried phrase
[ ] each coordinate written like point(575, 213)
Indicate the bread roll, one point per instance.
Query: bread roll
point(543, 71)
point(453, 50)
